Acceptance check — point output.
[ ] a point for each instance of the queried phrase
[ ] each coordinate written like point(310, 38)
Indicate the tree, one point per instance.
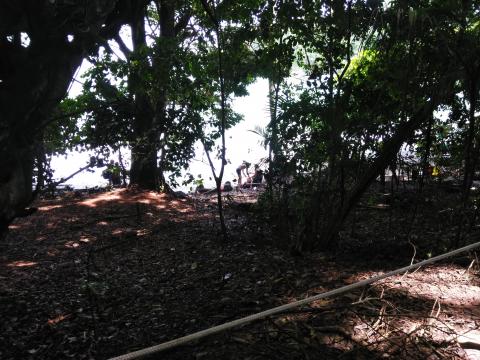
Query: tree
point(346, 123)
point(161, 96)
point(42, 44)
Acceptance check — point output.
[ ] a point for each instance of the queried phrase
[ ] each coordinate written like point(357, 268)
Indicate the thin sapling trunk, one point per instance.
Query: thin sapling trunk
point(218, 178)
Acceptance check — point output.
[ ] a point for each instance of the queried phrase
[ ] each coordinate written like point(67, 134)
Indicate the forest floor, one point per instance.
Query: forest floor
point(96, 276)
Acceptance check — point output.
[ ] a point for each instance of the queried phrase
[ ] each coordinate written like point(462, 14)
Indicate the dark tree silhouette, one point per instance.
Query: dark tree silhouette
point(42, 44)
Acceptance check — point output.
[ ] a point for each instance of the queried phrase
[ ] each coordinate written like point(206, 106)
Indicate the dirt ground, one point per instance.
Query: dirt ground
point(97, 276)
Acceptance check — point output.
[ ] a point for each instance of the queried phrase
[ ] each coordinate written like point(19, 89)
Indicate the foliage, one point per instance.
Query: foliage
point(369, 71)
point(351, 84)
point(178, 75)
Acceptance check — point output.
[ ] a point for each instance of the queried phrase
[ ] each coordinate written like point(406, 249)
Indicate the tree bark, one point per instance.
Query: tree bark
point(40, 161)
point(35, 76)
point(426, 152)
point(143, 172)
point(471, 147)
point(162, 64)
point(388, 153)
point(39, 79)
point(150, 114)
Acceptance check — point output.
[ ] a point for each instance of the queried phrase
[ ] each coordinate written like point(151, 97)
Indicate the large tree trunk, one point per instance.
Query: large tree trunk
point(143, 172)
point(163, 66)
point(150, 114)
point(34, 78)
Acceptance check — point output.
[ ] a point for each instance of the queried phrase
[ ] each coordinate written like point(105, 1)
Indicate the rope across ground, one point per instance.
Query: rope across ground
point(280, 309)
point(98, 276)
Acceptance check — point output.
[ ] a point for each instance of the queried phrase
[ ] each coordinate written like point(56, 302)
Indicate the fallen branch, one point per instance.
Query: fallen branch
point(53, 185)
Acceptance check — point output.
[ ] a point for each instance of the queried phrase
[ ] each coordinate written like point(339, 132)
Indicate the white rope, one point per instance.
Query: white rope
point(219, 328)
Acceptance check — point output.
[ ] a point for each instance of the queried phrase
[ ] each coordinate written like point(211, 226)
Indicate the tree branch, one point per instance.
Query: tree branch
point(183, 22)
point(123, 47)
point(210, 13)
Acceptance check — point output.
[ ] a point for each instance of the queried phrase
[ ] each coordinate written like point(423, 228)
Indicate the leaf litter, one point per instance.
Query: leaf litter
point(92, 277)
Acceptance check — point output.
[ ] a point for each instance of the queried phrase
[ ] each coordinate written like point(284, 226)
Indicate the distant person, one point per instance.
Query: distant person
point(248, 183)
point(257, 176)
point(415, 174)
point(112, 174)
point(116, 175)
point(429, 170)
point(242, 170)
point(200, 189)
point(107, 174)
point(227, 186)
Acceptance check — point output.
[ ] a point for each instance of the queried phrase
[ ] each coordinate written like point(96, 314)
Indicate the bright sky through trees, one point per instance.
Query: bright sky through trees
point(241, 143)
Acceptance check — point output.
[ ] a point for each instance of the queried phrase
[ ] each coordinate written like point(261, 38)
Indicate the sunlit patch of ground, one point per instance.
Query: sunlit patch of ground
point(72, 244)
point(21, 264)
point(72, 222)
point(58, 319)
point(126, 269)
point(49, 207)
point(449, 285)
point(131, 196)
point(110, 196)
point(436, 304)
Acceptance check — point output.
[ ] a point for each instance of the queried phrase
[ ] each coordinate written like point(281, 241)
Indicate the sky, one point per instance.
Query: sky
point(240, 142)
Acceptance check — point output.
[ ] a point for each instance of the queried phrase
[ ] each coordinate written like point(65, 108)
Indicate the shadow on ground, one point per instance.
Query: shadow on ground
point(97, 277)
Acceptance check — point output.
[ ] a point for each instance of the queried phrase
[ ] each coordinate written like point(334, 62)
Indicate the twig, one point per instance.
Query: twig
point(469, 267)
